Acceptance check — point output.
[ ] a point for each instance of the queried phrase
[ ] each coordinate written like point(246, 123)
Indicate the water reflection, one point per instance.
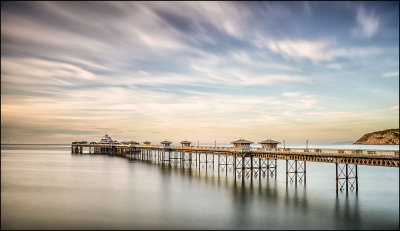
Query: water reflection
point(262, 194)
point(296, 197)
point(347, 208)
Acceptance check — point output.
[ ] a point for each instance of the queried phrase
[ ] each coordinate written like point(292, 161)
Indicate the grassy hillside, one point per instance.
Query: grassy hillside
point(388, 136)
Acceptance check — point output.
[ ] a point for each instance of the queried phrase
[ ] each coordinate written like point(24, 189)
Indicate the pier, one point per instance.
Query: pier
point(245, 162)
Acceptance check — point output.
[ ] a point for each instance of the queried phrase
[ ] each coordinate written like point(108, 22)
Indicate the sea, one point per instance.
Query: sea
point(47, 187)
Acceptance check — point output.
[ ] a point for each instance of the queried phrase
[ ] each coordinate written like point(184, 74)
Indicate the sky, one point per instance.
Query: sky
point(199, 71)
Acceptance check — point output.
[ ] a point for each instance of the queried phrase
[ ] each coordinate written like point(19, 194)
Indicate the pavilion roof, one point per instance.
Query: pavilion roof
point(186, 142)
point(166, 142)
point(241, 141)
point(269, 141)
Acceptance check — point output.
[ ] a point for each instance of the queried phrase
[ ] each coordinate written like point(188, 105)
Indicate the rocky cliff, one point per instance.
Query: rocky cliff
point(388, 136)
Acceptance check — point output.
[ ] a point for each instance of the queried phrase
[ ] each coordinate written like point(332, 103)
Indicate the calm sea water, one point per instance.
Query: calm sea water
point(45, 187)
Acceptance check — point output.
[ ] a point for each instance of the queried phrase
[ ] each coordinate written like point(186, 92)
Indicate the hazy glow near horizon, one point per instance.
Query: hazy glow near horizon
point(322, 71)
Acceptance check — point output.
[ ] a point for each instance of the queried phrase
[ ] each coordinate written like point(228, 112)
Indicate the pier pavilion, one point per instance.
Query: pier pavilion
point(268, 144)
point(185, 143)
point(146, 142)
point(166, 144)
point(242, 145)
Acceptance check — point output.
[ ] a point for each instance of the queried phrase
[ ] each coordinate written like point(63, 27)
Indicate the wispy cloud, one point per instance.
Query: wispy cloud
point(315, 50)
point(367, 23)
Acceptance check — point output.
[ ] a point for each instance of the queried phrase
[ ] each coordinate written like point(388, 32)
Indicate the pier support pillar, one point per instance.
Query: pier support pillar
point(239, 166)
point(346, 177)
point(206, 161)
point(187, 159)
point(247, 166)
point(267, 167)
point(295, 171)
point(223, 164)
point(165, 157)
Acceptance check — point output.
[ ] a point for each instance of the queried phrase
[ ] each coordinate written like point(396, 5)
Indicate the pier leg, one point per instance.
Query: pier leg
point(190, 160)
point(240, 166)
point(182, 155)
point(243, 167)
point(234, 165)
point(272, 167)
point(346, 177)
point(169, 158)
point(206, 162)
point(226, 162)
point(182, 159)
point(251, 166)
point(295, 171)
point(356, 177)
point(264, 167)
point(219, 164)
point(287, 171)
point(337, 178)
point(210, 161)
point(223, 164)
point(213, 156)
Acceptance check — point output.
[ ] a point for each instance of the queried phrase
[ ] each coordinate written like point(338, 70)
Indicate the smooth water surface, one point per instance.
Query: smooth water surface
point(45, 187)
